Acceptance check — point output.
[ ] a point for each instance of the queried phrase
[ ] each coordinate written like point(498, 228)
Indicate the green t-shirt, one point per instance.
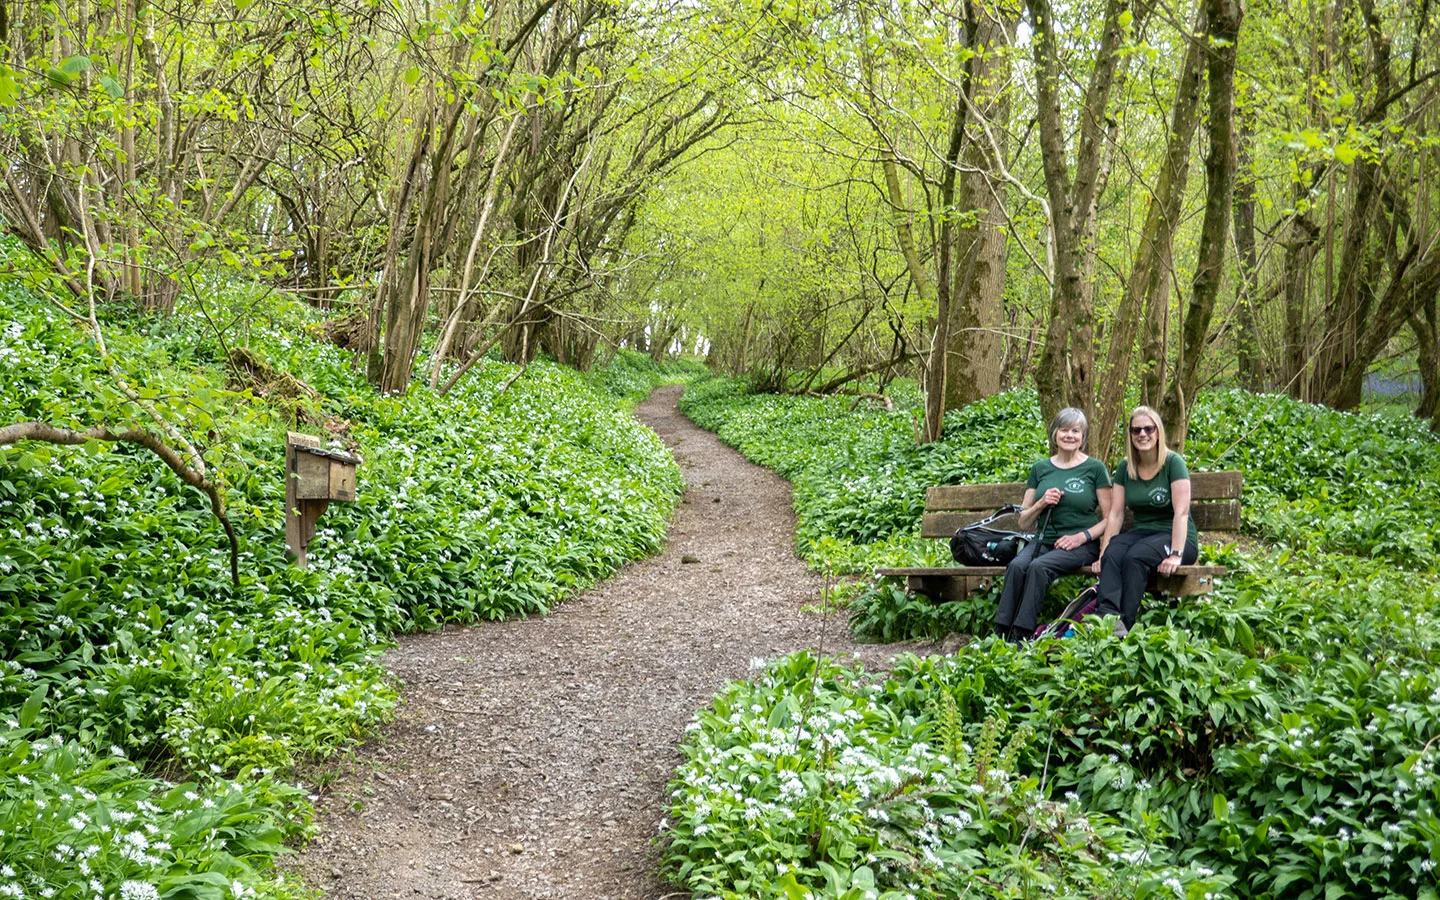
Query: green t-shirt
point(1079, 506)
point(1149, 499)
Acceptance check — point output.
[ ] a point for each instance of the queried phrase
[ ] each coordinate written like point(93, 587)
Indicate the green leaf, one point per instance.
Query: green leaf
point(793, 890)
point(31, 709)
point(112, 87)
point(75, 65)
point(1244, 636)
point(1345, 153)
point(412, 75)
point(9, 87)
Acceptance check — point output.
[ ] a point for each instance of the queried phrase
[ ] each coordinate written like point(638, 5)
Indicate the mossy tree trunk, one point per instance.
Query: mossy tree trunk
point(1222, 27)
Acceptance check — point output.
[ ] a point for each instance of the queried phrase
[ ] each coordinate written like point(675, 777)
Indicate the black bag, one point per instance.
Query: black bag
point(977, 544)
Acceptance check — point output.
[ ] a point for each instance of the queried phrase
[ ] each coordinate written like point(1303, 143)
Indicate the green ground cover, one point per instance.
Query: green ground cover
point(1276, 740)
point(149, 713)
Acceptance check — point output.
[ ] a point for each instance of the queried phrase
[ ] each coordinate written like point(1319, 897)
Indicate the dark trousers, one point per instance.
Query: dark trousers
point(1125, 571)
point(1028, 578)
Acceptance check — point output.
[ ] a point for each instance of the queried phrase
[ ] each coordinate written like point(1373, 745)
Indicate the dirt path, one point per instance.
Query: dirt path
point(530, 758)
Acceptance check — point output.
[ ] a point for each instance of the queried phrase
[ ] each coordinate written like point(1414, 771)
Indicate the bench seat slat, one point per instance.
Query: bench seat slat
point(973, 496)
point(943, 571)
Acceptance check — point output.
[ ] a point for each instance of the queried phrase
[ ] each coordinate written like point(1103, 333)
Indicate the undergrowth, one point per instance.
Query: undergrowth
point(129, 660)
point(1274, 740)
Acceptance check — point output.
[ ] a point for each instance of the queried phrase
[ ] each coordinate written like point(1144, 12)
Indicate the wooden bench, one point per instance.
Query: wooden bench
point(1214, 505)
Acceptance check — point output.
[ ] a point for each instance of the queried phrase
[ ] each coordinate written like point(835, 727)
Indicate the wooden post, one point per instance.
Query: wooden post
point(313, 477)
point(300, 515)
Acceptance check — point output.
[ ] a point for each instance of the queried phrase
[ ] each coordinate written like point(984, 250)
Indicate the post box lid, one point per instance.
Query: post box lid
point(309, 443)
point(330, 453)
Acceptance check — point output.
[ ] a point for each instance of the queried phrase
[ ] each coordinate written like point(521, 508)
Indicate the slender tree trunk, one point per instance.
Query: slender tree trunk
point(385, 302)
point(934, 374)
point(1065, 373)
point(1344, 317)
point(1300, 250)
point(1427, 356)
point(160, 291)
point(1223, 18)
point(976, 350)
point(1154, 260)
point(1249, 361)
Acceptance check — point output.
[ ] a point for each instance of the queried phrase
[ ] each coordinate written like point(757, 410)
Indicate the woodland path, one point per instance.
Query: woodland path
point(530, 758)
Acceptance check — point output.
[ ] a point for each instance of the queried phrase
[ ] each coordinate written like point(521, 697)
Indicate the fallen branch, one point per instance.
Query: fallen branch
point(42, 431)
point(858, 395)
point(878, 398)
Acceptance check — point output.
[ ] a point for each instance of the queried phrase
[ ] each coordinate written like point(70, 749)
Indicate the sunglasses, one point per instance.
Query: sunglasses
point(1142, 429)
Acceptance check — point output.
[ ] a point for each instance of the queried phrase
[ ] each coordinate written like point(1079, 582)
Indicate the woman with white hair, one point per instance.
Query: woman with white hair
point(1154, 483)
point(1068, 496)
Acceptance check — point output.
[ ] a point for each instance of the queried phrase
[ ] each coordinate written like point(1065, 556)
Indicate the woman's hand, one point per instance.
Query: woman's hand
point(1071, 541)
point(1095, 567)
point(1051, 498)
point(1169, 564)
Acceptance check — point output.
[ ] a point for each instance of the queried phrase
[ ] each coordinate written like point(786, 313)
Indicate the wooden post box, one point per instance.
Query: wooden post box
point(314, 476)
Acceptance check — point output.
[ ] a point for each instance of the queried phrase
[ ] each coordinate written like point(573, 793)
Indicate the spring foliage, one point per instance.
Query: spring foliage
point(125, 649)
point(1276, 739)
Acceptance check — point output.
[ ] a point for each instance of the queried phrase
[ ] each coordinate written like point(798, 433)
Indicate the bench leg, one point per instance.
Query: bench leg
point(1183, 585)
point(947, 588)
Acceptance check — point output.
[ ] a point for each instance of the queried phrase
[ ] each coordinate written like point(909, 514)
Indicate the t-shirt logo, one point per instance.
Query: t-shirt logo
point(1159, 496)
point(1075, 486)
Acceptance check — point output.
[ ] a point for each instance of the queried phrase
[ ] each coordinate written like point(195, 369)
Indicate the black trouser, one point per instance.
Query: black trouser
point(1125, 571)
point(1028, 578)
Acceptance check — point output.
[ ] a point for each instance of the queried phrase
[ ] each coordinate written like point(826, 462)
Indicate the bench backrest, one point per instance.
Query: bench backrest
point(1214, 503)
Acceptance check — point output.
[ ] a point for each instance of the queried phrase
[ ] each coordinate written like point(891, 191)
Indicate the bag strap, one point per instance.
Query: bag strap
point(1006, 510)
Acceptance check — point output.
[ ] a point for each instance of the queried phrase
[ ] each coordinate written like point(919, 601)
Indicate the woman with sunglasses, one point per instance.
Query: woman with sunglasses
point(1068, 496)
point(1155, 484)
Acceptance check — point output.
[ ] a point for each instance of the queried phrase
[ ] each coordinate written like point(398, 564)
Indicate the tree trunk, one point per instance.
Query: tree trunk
point(1300, 250)
point(934, 374)
point(1065, 373)
point(1154, 260)
point(408, 306)
point(1155, 343)
point(1427, 356)
point(1413, 286)
point(1344, 314)
point(1249, 362)
point(976, 350)
point(1223, 18)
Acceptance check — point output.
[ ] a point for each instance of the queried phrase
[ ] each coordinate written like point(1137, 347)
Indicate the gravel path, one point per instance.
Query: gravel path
point(530, 758)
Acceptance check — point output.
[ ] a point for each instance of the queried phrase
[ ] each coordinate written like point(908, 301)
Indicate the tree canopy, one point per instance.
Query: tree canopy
point(1098, 197)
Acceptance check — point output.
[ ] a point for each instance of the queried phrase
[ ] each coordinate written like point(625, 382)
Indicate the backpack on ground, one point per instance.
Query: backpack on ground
point(977, 544)
point(1086, 603)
